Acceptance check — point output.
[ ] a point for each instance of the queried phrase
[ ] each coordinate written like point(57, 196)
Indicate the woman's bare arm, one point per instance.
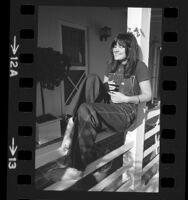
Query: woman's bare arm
point(145, 95)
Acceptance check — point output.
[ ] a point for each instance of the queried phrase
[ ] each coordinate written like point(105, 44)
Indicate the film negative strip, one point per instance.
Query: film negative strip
point(53, 49)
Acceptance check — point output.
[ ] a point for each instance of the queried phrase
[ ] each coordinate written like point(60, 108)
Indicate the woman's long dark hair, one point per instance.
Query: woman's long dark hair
point(129, 42)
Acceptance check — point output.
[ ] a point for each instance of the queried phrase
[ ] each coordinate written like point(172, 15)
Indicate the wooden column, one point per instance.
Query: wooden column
point(138, 23)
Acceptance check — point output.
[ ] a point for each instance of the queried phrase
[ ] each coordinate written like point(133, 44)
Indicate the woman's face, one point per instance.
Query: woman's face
point(119, 52)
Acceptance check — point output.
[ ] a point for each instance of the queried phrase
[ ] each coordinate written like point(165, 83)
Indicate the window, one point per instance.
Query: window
point(73, 44)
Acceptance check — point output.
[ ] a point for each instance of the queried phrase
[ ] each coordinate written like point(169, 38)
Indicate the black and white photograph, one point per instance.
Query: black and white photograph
point(98, 99)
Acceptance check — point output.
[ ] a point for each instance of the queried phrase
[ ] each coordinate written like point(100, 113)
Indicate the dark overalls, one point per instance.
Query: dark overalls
point(92, 116)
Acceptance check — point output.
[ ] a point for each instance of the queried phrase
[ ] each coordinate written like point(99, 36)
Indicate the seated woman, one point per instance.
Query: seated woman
point(109, 106)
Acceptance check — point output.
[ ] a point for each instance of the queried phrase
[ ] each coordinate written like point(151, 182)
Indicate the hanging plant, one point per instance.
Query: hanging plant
point(52, 68)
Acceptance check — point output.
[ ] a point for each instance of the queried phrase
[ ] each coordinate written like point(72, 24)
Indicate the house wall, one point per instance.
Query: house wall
point(93, 19)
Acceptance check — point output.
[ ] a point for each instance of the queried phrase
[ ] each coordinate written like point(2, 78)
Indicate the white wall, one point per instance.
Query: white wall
point(98, 52)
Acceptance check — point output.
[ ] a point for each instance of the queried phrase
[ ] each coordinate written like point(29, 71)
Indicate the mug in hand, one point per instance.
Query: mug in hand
point(116, 87)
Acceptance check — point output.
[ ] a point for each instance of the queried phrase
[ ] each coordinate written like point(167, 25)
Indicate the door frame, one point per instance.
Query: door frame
point(65, 109)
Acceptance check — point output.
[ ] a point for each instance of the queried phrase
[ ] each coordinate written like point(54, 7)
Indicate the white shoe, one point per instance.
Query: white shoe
point(65, 174)
point(72, 173)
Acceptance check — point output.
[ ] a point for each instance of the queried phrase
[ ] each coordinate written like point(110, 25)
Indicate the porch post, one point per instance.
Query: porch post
point(138, 22)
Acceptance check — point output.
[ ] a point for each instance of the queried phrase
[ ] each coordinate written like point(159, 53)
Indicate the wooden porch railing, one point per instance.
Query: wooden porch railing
point(127, 177)
point(139, 135)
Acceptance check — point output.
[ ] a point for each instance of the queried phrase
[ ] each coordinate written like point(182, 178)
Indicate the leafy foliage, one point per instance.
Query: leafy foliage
point(52, 67)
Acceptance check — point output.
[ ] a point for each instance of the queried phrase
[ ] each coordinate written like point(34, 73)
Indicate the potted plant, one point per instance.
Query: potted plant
point(52, 68)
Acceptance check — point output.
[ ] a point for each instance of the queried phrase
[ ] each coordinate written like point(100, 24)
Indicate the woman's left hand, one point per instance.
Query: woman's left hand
point(118, 97)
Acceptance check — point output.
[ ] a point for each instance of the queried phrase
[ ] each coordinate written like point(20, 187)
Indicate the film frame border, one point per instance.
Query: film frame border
point(23, 18)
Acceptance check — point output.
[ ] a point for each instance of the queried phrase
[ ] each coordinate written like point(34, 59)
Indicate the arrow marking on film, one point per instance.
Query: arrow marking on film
point(13, 148)
point(14, 47)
